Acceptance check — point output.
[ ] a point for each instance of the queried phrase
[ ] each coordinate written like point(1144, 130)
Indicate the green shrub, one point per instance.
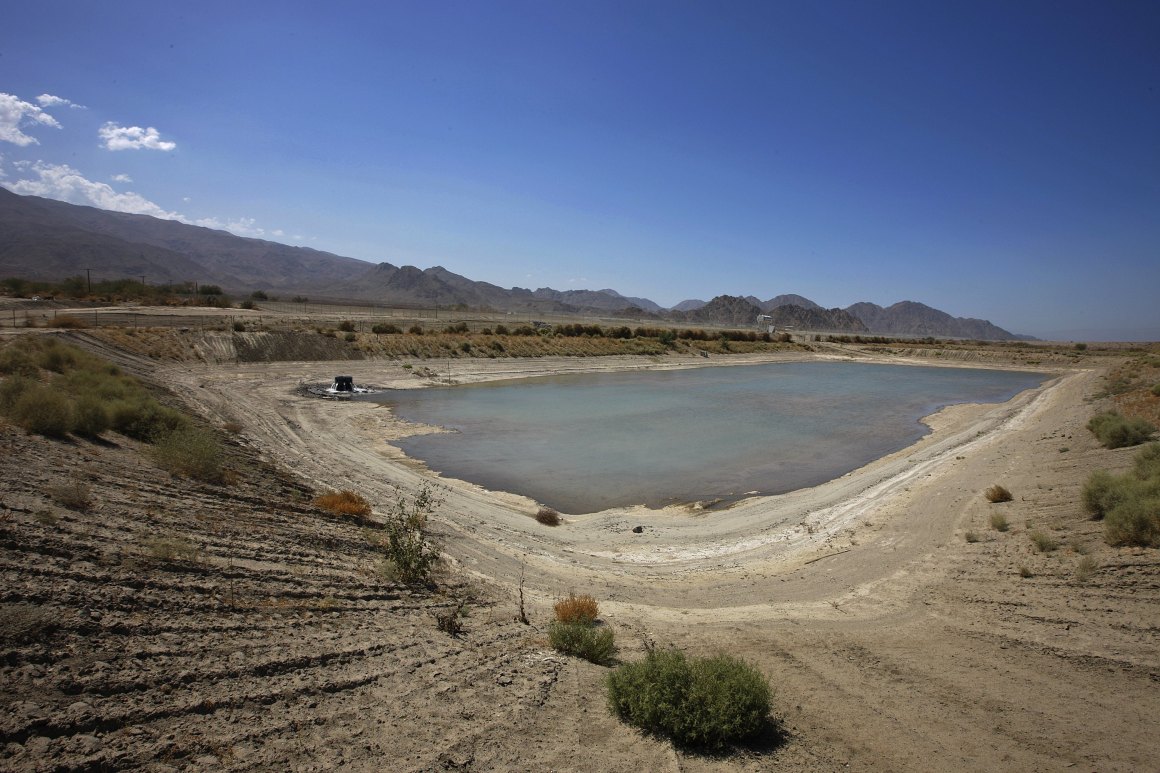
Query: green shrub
point(43, 411)
point(596, 644)
point(1129, 504)
point(409, 551)
point(90, 416)
point(144, 418)
point(704, 702)
point(17, 361)
point(190, 452)
point(11, 389)
point(1156, 389)
point(1100, 494)
point(1146, 465)
point(386, 329)
point(346, 326)
point(58, 358)
point(1134, 521)
point(102, 384)
point(999, 522)
point(1116, 431)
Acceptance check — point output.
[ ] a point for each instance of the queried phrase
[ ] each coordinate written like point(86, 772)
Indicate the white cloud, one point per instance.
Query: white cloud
point(49, 100)
point(15, 112)
point(242, 226)
point(133, 138)
point(122, 178)
point(62, 182)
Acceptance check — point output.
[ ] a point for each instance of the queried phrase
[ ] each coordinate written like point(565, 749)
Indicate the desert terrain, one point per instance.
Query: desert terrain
point(173, 625)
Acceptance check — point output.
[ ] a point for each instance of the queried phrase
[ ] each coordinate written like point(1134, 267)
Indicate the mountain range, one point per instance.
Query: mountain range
point(45, 239)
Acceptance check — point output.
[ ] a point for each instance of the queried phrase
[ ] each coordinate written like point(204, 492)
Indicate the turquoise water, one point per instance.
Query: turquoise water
point(588, 442)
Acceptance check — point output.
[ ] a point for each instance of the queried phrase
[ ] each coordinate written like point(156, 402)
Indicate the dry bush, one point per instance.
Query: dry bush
point(450, 621)
point(22, 624)
point(577, 609)
point(192, 453)
point(1043, 541)
point(75, 495)
point(171, 548)
point(69, 322)
point(548, 516)
point(345, 502)
point(997, 493)
point(1085, 569)
point(999, 522)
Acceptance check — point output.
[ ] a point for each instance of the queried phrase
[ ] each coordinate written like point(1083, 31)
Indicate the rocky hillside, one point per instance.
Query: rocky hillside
point(47, 239)
point(731, 310)
point(909, 318)
point(789, 300)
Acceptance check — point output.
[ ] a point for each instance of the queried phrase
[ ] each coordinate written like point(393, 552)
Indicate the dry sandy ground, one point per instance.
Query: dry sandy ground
point(892, 643)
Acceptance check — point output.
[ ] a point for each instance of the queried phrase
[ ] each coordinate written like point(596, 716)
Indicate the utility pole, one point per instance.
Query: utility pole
point(89, 280)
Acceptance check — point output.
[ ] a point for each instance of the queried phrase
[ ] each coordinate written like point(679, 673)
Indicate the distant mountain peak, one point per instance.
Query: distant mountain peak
point(49, 239)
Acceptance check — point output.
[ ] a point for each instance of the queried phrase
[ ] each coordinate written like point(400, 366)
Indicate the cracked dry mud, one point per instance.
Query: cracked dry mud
point(173, 625)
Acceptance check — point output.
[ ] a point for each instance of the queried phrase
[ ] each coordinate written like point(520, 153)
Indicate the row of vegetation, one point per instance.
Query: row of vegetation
point(458, 340)
point(79, 288)
point(56, 390)
point(1129, 504)
point(578, 330)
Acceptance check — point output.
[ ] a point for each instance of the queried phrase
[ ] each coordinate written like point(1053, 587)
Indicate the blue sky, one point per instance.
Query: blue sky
point(992, 159)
